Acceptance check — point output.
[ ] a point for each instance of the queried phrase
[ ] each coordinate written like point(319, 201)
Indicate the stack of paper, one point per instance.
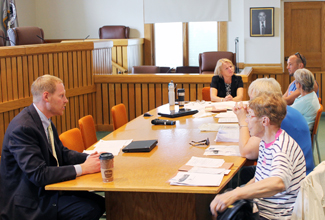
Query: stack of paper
point(232, 150)
point(209, 127)
point(113, 147)
point(228, 133)
point(202, 172)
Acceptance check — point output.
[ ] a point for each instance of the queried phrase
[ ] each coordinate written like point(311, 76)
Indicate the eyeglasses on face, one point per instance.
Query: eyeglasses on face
point(250, 116)
point(302, 60)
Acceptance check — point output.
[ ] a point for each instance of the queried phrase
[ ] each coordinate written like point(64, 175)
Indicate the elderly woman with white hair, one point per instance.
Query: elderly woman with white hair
point(225, 85)
point(307, 103)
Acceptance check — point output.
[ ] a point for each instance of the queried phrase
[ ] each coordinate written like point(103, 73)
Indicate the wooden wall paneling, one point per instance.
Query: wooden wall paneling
point(4, 81)
point(222, 35)
point(20, 78)
point(56, 65)
point(151, 88)
point(14, 78)
point(185, 44)
point(30, 69)
point(145, 98)
point(118, 93)
point(60, 67)
point(26, 84)
point(149, 44)
point(199, 91)
point(80, 84)
point(99, 104)
point(138, 100)
point(131, 101)
point(89, 68)
point(187, 92)
point(65, 70)
point(193, 96)
point(51, 63)
point(125, 97)
point(45, 63)
point(40, 64)
point(158, 94)
point(106, 103)
point(164, 93)
point(112, 100)
point(84, 68)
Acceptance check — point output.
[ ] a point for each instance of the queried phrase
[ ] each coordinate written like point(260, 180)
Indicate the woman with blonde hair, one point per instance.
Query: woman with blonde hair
point(225, 85)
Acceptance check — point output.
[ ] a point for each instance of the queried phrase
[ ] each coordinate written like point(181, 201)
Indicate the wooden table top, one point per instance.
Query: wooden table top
point(150, 172)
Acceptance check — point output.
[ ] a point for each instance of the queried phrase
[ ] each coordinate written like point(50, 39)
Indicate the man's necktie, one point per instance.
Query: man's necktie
point(51, 140)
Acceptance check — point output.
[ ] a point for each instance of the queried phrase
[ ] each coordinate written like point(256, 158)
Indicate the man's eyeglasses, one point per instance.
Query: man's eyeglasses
point(302, 60)
point(203, 142)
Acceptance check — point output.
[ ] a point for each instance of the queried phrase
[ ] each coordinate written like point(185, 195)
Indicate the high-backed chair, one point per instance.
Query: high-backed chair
point(187, 69)
point(2, 38)
point(206, 94)
point(208, 60)
point(164, 69)
point(25, 35)
point(114, 32)
point(88, 130)
point(145, 69)
point(314, 140)
point(119, 116)
point(72, 139)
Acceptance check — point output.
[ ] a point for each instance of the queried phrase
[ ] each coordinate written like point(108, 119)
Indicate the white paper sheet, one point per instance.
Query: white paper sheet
point(209, 127)
point(232, 150)
point(113, 146)
point(228, 120)
point(205, 162)
point(228, 133)
point(196, 179)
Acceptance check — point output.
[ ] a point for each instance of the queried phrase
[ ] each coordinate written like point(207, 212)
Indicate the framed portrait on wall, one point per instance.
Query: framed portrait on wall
point(262, 22)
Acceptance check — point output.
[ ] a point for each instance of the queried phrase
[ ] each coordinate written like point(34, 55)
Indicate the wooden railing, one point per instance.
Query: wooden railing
point(143, 92)
point(21, 65)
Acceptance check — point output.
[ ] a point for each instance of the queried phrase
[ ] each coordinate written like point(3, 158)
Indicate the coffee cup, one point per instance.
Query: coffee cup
point(106, 166)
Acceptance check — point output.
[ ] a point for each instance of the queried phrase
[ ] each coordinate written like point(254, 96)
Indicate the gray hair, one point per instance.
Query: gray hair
point(305, 78)
point(264, 85)
point(44, 83)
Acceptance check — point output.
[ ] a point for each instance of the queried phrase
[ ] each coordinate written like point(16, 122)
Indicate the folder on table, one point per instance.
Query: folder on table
point(140, 146)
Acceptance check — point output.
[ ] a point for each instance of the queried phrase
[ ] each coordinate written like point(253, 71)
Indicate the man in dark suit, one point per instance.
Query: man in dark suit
point(33, 156)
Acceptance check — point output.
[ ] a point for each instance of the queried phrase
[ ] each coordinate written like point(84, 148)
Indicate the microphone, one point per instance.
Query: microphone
point(7, 39)
point(87, 37)
point(41, 38)
point(162, 122)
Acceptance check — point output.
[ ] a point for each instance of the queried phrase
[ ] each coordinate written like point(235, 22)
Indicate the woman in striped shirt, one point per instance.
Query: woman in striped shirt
point(280, 167)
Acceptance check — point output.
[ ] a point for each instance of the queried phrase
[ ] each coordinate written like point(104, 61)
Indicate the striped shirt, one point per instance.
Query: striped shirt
point(282, 158)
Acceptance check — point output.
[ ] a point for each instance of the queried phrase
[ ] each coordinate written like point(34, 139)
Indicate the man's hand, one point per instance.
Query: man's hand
point(91, 165)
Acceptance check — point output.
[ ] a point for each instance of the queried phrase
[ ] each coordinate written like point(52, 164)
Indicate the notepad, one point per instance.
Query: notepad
point(140, 146)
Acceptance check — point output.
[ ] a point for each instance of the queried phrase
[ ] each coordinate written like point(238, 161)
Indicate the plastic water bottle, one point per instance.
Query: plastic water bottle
point(171, 93)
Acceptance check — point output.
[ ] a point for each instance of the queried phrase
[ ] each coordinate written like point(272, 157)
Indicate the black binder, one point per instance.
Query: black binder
point(178, 113)
point(140, 146)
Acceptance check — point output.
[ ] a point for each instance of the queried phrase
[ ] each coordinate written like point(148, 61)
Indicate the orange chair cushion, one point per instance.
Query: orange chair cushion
point(119, 116)
point(88, 130)
point(72, 139)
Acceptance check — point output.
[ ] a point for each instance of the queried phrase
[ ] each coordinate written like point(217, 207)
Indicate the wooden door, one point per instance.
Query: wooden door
point(304, 32)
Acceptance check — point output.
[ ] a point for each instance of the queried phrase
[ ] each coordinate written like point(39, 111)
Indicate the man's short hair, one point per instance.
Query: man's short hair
point(305, 78)
point(44, 83)
point(263, 85)
point(217, 70)
point(271, 105)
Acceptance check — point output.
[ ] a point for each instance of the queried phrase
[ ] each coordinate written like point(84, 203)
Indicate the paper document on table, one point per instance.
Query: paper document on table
point(196, 179)
point(205, 162)
point(209, 127)
point(228, 120)
point(228, 114)
point(232, 150)
point(112, 146)
point(202, 114)
point(207, 170)
point(197, 105)
point(228, 133)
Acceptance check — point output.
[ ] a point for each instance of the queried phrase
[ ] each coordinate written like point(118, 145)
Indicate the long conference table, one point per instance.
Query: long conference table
point(140, 189)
